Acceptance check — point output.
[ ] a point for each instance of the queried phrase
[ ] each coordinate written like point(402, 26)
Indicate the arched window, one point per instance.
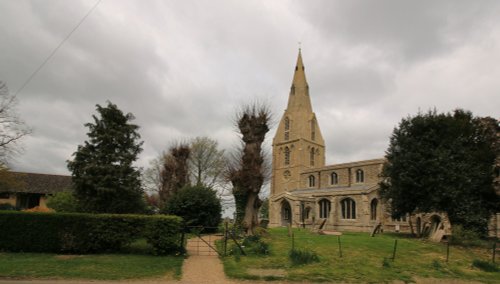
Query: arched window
point(360, 176)
point(348, 207)
point(373, 209)
point(311, 157)
point(334, 178)
point(313, 130)
point(287, 156)
point(324, 208)
point(312, 181)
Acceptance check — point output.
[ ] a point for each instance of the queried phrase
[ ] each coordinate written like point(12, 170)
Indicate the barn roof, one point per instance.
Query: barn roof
point(41, 183)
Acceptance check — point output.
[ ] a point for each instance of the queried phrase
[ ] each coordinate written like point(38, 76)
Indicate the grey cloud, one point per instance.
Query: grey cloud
point(184, 67)
point(413, 30)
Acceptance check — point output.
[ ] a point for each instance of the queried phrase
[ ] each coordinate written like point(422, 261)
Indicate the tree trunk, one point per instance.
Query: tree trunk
point(249, 221)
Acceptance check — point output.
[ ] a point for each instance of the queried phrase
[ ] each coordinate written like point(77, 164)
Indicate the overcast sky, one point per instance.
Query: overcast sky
point(184, 67)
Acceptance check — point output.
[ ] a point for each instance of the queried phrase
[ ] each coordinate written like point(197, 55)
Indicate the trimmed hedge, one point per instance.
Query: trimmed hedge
point(86, 233)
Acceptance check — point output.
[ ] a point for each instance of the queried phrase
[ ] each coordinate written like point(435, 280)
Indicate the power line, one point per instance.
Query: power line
point(57, 48)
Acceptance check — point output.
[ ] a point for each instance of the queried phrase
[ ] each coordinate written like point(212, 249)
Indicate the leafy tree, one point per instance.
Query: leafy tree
point(443, 162)
point(197, 205)
point(63, 201)
point(248, 172)
point(104, 178)
point(12, 128)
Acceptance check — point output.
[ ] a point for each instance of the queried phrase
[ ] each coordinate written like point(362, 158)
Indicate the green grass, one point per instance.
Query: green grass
point(131, 263)
point(365, 259)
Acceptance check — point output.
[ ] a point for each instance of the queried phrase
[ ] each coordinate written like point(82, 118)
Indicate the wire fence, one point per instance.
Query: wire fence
point(392, 249)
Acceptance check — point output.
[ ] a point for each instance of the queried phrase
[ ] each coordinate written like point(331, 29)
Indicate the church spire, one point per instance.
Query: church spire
point(299, 92)
point(299, 77)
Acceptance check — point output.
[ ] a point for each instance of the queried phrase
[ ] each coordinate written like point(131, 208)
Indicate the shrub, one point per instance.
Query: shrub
point(104, 232)
point(298, 256)
point(464, 237)
point(197, 205)
point(39, 209)
point(386, 263)
point(163, 234)
point(83, 233)
point(63, 202)
point(255, 245)
point(436, 264)
point(7, 206)
point(485, 265)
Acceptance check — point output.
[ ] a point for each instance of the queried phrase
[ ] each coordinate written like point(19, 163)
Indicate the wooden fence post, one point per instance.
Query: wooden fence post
point(447, 250)
point(225, 238)
point(494, 252)
point(340, 246)
point(394, 251)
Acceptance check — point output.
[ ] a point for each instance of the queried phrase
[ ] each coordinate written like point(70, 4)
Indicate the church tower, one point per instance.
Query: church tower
point(298, 144)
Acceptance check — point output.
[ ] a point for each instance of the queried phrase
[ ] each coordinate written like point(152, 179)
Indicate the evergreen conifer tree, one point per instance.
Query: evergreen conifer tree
point(104, 178)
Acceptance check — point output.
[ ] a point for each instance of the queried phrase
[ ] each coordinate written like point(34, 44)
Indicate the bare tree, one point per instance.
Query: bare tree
point(248, 172)
point(207, 166)
point(12, 128)
point(206, 162)
point(151, 177)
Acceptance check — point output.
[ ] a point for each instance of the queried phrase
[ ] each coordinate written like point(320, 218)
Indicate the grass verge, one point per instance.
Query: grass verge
point(364, 259)
point(132, 263)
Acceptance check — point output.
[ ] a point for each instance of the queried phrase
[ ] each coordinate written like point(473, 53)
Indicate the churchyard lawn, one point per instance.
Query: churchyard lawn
point(364, 259)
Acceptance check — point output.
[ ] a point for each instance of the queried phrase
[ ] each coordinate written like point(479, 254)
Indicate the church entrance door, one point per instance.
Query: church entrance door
point(286, 213)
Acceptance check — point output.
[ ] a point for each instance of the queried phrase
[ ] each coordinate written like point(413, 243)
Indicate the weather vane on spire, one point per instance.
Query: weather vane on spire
point(300, 45)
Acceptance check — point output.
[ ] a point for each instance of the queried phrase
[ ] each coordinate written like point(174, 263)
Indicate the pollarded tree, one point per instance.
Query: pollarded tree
point(443, 162)
point(249, 171)
point(104, 177)
point(204, 162)
point(168, 173)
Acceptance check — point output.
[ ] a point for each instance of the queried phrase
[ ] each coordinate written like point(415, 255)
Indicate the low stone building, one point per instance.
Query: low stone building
point(32, 189)
point(345, 197)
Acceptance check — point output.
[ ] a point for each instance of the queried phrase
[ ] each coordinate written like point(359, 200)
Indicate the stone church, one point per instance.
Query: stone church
point(305, 192)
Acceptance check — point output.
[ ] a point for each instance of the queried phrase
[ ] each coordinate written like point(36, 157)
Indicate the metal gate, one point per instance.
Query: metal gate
point(202, 244)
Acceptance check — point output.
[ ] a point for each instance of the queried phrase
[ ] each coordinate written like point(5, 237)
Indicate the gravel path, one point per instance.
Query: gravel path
point(203, 264)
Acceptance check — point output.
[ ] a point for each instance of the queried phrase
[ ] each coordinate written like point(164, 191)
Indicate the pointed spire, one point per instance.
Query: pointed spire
point(299, 92)
point(299, 77)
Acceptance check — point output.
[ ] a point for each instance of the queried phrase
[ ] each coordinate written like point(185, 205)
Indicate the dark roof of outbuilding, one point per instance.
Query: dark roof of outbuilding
point(41, 183)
